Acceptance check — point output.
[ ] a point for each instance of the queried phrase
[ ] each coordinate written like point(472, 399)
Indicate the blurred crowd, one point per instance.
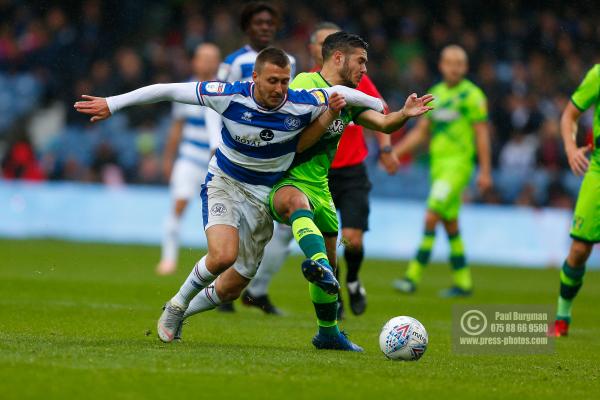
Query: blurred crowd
point(527, 58)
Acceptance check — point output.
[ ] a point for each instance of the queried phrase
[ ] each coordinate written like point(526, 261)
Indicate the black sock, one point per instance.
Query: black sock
point(354, 260)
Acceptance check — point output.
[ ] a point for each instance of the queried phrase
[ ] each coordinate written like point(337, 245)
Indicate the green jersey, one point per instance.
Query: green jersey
point(313, 164)
point(457, 108)
point(584, 97)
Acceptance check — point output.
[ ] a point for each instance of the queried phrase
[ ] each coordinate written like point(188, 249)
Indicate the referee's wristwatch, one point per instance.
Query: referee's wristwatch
point(385, 150)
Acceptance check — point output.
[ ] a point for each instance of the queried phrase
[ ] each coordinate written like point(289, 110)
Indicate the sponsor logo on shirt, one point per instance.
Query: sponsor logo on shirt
point(445, 115)
point(267, 135)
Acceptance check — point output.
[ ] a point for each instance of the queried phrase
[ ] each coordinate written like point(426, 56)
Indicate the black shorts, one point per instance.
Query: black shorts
point(350, 187)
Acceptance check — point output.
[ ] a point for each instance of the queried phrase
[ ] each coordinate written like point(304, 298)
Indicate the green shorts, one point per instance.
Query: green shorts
point(447, 185)
point(320, 201)
point(586, 219)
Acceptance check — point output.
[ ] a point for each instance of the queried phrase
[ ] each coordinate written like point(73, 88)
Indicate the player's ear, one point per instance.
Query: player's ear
point(338, 57)
point(254, 76)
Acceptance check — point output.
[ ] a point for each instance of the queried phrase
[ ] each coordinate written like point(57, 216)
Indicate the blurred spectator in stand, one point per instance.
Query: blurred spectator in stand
point(20, 162)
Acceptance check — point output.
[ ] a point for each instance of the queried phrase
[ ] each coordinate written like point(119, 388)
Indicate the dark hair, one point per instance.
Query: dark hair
point(322, 26)
point(253, 8)
point(344, 42)
point(271, 55)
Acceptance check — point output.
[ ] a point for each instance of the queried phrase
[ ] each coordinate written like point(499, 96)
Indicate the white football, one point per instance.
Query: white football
point(403, 338)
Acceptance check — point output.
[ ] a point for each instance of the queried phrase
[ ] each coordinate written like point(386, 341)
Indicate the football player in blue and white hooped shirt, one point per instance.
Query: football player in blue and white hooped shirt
point(265, 124)
point(259, 21)
point(194, 136)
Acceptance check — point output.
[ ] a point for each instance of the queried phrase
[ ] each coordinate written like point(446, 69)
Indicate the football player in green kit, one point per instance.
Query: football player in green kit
point(585, 230)
point(458, 131)
point(302, 198)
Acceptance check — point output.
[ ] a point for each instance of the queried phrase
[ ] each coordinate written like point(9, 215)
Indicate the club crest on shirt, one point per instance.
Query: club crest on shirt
point(218, 209)
point(291, 123)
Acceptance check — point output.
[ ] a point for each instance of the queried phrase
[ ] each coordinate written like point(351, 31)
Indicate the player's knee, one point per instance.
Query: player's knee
point(431, 220)
point(294, 204)
point(579, 253)
point(180, 206)
point(353, 242)
point(229, 291)
point(222, 258)
point(227, 295)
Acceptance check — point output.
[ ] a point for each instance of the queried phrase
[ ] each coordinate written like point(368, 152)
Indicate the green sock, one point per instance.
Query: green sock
point(416, 266)
point(571, 280)
point(308, 236)
point(326, 309)
point(460, 270)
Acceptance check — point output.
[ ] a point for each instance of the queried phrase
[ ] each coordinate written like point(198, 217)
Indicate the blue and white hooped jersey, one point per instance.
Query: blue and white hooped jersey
point(238, 66)
point(201, 132)
point(258, 144)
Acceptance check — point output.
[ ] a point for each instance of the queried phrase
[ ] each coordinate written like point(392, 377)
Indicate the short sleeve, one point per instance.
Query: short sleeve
point(586, 93)
point(478, 110)
point(178, 111)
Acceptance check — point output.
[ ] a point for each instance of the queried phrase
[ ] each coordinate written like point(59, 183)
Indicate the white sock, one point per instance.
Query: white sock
point(170, 243)
point(206, 300)
point(198, 279)
point(276, 252)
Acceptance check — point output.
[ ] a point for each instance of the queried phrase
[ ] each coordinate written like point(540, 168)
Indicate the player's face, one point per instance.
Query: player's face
point(271, 84)
point(353, 67)
point(316, 48)
point(453, 66)
point(261, 30)
point(206, 61)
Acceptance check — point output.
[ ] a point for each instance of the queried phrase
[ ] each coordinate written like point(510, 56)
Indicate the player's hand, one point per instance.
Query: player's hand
point(415, 106)
point(389, 162)
point(578, 159)
point(97, 107)
point(336, 102)
point(484, 181)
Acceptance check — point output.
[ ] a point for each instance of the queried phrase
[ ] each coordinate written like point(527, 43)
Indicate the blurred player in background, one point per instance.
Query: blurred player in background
point(302, 198)
point(458, 131)
point(259, 21)
point(585, 230)
point(349, 185)
point(194, 135)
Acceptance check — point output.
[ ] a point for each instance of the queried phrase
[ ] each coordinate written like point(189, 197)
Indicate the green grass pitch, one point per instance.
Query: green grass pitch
point(77, 321)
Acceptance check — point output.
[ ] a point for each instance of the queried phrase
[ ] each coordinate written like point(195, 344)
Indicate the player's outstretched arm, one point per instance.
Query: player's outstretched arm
point(357, 98)
point(391, 122)
point(313, 132)
point(484, 156)
point(568, 129)
point(101, 108)
point(413, 139)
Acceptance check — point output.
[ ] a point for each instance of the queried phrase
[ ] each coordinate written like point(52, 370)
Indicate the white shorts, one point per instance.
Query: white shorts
point(226, 202)
point(186, 179)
